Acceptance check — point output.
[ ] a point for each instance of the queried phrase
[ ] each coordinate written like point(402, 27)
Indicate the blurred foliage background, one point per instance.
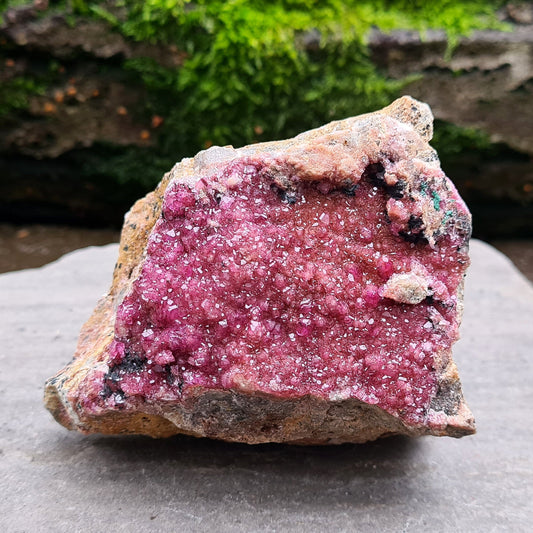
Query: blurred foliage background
point(99, 98)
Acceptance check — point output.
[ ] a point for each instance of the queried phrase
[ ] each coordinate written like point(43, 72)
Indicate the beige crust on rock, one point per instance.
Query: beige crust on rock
point(244, 415)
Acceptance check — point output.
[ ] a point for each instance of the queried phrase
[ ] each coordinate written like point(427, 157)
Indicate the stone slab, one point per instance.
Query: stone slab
point(55, 480)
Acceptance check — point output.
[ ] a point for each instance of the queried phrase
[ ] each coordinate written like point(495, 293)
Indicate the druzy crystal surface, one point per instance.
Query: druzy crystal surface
point(326, 288)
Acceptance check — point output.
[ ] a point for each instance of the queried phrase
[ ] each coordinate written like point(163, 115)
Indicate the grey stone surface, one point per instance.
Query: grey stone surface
point(55, 480)
point(486, 83)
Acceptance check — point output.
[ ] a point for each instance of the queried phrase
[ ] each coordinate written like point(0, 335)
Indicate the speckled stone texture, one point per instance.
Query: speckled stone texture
point(56, 481)
point(304, 291)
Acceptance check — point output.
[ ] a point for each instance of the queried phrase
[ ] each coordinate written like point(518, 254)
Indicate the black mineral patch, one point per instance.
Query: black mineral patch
point(131, 363)
point(415, 238)
point(349, 188)
point(375, 173)
point(414, 222)
point(284, 195)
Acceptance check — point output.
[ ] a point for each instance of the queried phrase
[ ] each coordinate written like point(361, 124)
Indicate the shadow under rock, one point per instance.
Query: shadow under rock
point(349, 474)
point(219, 454)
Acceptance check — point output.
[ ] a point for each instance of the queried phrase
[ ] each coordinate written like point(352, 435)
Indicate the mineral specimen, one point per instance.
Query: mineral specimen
point(304, 291)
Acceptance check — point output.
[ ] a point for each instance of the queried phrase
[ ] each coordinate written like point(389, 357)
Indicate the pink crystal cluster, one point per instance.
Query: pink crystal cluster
point(286, 290)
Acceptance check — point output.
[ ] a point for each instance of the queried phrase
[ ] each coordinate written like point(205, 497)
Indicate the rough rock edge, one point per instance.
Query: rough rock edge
point(245, 415)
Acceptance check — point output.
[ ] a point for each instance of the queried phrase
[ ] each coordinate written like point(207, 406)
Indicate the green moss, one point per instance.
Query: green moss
point(15, 94)
point(247, 70)
point(129, 166)
point(16, 91)
point(247, 74)
point(450, 140)
point(457, 145)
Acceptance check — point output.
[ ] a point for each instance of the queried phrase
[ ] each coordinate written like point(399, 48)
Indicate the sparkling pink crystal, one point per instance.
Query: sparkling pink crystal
point(250, 286)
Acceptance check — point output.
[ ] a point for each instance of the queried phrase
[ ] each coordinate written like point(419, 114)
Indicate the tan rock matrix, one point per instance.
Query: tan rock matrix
point(305, 291)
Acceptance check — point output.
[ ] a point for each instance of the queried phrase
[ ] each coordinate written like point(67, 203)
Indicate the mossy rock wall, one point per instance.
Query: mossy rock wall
point(482, 97)
point(99, 99)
